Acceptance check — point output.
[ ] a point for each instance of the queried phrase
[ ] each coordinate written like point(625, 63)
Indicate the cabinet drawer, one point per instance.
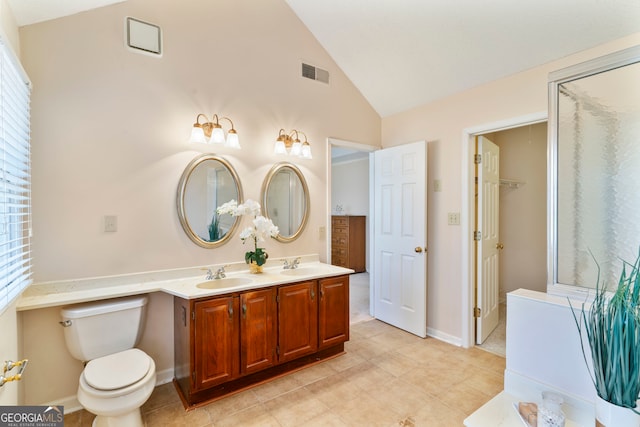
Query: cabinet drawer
point(339, 221)
point(339, 241)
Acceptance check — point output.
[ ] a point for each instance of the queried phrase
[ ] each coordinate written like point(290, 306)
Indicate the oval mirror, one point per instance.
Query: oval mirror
point(285, 200)
point(208, 182)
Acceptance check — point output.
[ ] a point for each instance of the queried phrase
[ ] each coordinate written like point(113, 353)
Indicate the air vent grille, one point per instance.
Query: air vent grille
point(314, 73)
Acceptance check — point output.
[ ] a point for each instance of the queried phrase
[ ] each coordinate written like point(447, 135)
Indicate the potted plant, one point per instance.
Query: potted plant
point(259, 231)
point(612, 328)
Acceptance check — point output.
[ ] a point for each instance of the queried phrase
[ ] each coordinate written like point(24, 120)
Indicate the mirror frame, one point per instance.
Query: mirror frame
point(595, 66)
point(265, 186)
point(184, 179)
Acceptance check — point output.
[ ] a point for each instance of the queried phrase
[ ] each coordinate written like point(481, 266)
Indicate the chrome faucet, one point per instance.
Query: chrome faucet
point(220, 274)
point(291, 266)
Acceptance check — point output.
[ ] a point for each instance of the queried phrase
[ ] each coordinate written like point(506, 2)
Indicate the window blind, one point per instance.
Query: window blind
point(15, 179)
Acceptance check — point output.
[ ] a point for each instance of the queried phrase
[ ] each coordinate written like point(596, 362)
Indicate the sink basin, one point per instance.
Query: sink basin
point(303, 271)
point(227, 282)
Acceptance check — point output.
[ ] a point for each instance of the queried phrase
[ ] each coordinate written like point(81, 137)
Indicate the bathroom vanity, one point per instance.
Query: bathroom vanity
point(228, 342)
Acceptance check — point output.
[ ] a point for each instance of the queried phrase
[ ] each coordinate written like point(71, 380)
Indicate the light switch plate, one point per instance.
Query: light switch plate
point(453, 218)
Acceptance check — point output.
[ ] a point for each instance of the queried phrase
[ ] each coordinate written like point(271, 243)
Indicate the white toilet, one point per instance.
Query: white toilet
point(117, 378)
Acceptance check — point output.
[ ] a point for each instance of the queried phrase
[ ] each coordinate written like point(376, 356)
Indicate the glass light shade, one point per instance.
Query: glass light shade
point(217, 136)
point(306, 151)
point(296, 148)
point(280, 148)
point(197, 135)
point(232, 140)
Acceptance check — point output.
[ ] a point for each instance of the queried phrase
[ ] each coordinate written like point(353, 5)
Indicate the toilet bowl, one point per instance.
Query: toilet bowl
point(114, 387)
point(118, 378)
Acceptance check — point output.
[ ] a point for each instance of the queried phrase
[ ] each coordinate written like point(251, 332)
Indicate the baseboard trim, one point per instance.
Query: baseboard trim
point(442, 336)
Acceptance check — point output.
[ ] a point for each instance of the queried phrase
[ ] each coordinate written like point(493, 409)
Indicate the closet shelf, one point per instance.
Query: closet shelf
point(511, 183)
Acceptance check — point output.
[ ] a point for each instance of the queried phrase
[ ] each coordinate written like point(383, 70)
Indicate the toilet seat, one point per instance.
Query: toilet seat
point(118, 370)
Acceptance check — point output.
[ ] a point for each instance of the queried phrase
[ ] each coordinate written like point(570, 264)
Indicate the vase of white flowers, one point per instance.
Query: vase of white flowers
point(261, 229)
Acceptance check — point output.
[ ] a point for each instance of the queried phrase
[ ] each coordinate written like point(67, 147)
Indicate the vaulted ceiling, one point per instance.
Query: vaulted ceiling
point(404, 53)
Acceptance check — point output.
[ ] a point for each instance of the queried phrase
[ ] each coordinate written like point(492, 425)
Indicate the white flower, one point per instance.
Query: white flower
point(228, 208)
point(247, 233)
point(264, 228)
point(250, 207)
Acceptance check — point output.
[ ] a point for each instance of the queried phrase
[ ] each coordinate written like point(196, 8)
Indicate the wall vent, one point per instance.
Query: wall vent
point(315, 73)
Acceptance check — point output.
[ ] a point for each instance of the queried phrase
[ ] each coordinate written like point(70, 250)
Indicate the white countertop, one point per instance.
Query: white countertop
point(178, 282)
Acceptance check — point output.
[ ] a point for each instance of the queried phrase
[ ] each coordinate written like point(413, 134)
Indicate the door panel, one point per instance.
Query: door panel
point(488, 247)
point(298, 320)
point(257, 330)
point(399, 237)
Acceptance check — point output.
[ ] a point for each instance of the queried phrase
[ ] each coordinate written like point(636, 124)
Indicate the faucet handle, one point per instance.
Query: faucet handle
point(285, 266)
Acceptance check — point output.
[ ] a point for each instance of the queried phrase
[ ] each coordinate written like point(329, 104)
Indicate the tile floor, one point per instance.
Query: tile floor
point(387, 377)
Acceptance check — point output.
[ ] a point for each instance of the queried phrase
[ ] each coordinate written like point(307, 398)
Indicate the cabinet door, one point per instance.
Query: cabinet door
point(216, 342)
point(333, 316)
point(298, 320)
point(257, 330)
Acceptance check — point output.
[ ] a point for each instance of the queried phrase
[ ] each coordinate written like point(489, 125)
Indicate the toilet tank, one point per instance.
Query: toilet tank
point(100, 328)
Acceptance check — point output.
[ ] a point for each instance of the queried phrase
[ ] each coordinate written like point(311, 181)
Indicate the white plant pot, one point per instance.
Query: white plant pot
point(610, 415)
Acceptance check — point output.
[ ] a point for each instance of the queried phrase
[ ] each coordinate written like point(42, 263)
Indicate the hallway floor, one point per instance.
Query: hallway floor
point(387, 377)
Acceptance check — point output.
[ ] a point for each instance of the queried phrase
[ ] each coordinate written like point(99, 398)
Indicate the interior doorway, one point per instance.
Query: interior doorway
point(522, 217)
point(348, 195)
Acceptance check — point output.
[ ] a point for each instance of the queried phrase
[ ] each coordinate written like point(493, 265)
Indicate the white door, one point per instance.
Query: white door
point(400, 237)
point(488, 246)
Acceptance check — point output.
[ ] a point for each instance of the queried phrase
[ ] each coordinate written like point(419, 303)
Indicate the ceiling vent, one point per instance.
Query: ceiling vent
point(314, 73)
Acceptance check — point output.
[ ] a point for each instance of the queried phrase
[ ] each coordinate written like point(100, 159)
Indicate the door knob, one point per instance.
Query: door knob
point(499, 246)
point(418, 249)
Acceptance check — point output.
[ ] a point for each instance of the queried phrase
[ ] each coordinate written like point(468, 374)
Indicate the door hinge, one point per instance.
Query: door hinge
point(476, 312)
point(477, 235)
point(277, 298)
point(477, 159)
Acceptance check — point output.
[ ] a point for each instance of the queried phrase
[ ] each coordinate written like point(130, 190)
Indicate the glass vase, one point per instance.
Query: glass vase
point(255, 268)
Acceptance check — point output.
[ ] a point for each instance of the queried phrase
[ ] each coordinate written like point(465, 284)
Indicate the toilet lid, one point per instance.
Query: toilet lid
point(117, 370)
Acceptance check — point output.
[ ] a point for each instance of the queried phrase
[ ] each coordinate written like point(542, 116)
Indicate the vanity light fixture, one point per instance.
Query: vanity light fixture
point(286, 144)
point(212, 131)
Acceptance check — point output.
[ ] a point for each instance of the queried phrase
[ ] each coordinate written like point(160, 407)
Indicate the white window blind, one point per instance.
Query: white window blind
point(15, 179)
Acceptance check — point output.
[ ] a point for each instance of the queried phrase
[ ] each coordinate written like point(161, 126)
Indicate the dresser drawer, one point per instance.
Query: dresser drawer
point(339, 221)
point(339, 241)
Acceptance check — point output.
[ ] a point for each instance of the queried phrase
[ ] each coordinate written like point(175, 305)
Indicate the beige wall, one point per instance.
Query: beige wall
point(110, 126)
point(523, 210)
point(443, 123)
point(109, 132)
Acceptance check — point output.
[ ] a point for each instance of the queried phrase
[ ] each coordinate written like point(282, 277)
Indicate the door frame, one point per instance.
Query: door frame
point(468, 211)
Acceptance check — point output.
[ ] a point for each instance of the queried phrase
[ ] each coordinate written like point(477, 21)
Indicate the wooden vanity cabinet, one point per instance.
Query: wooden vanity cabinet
point(258, 333)
point(215, 341)
point(297, 320)
point(333, 307)
point(226, 343)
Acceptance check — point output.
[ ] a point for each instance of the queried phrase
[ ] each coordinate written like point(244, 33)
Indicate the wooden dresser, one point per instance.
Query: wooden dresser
point(348, 242)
